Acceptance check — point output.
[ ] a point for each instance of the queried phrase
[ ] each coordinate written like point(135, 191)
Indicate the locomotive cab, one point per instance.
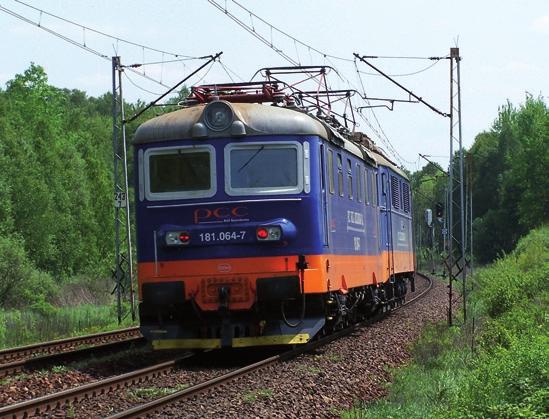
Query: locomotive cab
point(224, 221)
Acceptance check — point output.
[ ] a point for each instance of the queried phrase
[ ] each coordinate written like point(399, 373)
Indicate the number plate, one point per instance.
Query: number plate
point(223, 236)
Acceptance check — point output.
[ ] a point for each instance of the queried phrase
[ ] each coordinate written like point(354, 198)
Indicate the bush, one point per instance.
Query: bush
point(20, 282)
point(506, 375)
point(516, 278)
point(509, 382)
point(18, 327)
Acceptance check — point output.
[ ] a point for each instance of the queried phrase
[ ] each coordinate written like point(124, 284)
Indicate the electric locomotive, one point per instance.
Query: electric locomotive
point(263, 224)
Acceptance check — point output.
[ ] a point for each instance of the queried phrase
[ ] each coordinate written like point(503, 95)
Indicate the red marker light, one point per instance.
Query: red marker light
point(184, 237)
point(262, 233)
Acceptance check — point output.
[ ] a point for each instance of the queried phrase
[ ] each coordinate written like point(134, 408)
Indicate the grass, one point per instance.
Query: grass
point(331, 357)
point(254, 395)
point(113, 358)
point(138, 394)
point(500, 368)
point(309, 369)
point(59, 369)
point(5, 381)
point(69, 410)
point(19, 377)
point(22, 327)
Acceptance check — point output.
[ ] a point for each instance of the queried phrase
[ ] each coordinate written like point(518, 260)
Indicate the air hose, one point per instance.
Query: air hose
point(301, 266)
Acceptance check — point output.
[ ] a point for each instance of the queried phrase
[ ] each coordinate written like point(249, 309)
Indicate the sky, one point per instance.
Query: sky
point(504, 47)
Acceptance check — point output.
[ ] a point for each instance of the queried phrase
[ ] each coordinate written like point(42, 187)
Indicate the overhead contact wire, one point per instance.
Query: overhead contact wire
point(175, 54)
point(52, 32)
point(287, 34)
point(139, 87)
point(76, 43)
point(404, 74)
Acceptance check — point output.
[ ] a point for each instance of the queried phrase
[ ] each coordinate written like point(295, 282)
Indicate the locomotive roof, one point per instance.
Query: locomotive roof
point(381, 160)
point(258, 120)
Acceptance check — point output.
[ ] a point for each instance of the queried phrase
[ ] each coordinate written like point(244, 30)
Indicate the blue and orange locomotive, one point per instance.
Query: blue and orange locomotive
point(263, 224)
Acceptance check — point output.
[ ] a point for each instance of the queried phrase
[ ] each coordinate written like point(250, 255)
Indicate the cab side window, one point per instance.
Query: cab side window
point(340, 174)
point(331, 184)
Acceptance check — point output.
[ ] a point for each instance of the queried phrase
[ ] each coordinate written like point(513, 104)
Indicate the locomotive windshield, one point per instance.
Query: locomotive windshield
point(180, 172)
point(263, 168)
point(183, 172)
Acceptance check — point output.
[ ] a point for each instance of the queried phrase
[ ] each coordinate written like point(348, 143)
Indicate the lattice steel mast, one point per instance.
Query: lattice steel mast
point(123, 271)
point(457, 262)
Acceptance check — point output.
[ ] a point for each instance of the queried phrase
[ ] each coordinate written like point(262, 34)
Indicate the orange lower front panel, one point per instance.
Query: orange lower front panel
point(325, 273)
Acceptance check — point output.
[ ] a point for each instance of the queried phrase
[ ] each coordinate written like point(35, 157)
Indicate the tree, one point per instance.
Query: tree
point(510, 182)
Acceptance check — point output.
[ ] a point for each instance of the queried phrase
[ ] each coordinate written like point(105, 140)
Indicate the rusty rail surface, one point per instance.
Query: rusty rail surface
point(40, 405)
point(42, 353)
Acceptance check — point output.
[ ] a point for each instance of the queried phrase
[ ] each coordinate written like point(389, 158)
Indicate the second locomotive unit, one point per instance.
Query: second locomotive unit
point(262, 224)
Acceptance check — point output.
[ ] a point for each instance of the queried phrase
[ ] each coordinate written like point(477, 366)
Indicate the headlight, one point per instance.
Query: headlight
point(218, 116)
point(269, 233)
point(177, 238)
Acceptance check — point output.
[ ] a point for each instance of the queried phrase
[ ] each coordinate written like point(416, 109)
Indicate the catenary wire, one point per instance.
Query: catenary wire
point(232, 72)
point(73, 42)
point(287, 34)
point(206, 73)
point(138, 86)
point(405, 74)
point(161, 62)
point(304, 44)
point(228, 71)
point(52, 32)
point(106, 34)
point(253, 32)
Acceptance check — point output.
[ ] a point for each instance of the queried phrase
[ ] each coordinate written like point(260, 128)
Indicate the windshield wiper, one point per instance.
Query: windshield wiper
point(250, 159)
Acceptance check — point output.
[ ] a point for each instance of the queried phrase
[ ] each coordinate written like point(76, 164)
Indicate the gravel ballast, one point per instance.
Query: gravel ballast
point(320, 384)
point(352, 369)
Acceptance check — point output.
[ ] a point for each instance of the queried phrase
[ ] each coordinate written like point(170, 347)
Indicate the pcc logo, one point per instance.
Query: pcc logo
point(220, 215)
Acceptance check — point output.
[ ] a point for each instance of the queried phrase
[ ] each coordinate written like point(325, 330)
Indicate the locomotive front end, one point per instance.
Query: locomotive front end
point(227, 213)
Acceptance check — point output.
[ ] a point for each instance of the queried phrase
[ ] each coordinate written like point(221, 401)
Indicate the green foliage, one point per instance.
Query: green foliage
point(510, 182)
point(56, 183)
point(20, 282)
point(254, 395)
point(428, 188)
point(148, 393)
point(506, 169)
point(509, 382)
point(499, 371)
point(516, 278)
point(40, 324)
point(56, 212)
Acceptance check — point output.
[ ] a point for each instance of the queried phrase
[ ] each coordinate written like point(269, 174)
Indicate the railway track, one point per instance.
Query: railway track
point(429, 282)
point(51, 402)
point(155, 405)
point(31, 357)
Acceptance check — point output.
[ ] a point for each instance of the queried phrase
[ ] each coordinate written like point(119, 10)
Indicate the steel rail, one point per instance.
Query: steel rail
point(53, 401)
point(153, 406)
point(421, 294)
point(55, 345)
point(38, 362)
